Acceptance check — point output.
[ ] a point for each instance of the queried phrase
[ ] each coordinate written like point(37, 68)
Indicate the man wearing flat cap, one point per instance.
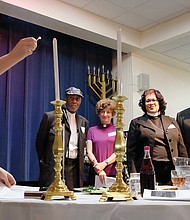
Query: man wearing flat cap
point(76, 128)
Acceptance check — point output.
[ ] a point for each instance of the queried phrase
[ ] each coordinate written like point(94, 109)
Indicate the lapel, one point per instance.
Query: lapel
point(65, 119)
point(166, 122)
point(144, 121)
point(78, 121)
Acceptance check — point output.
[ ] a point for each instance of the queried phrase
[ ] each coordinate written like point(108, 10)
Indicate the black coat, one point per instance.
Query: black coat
point(142, 133)
point(183, 119)
point(44, 144)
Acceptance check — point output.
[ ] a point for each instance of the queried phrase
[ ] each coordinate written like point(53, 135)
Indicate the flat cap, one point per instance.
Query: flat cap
point(73, 91)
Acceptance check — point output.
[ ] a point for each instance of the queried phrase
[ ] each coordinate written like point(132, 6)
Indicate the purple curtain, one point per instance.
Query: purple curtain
point(27, 89)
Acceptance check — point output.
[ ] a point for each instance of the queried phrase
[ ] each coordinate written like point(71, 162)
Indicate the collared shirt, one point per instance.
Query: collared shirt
point(73, 148)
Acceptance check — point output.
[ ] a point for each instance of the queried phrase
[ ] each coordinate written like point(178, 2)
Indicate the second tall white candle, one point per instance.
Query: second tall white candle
point(119, 62)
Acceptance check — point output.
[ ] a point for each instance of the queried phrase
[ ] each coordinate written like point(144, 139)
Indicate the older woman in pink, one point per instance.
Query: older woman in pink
point(100, 142)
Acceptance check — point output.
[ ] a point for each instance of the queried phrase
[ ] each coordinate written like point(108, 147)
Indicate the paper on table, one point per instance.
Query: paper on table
point(179, 195)
point(109, 181)
point(14, 191)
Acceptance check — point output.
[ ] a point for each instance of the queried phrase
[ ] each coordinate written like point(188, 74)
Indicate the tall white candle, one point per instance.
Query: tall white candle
point(56, 69)
point(119, 62)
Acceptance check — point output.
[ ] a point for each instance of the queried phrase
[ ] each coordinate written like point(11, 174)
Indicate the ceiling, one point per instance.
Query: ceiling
point(137, 14)
point(143, 15)
point(157, 29)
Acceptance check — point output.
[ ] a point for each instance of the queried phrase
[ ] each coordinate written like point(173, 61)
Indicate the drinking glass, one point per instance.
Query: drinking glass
point(178, 178)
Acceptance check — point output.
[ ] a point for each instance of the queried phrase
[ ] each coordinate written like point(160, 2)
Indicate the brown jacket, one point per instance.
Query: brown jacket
point(142, 133)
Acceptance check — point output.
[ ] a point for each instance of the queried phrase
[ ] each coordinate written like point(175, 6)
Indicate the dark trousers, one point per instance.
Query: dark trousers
point(163, 171)
point(71, 173)
point(92, 174)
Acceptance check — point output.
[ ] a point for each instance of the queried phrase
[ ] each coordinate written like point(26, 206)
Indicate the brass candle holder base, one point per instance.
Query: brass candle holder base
point(119, 189)
point(58, 187)
point(108, 196)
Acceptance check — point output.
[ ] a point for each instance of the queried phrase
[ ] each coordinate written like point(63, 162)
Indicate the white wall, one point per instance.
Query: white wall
point(173, 83)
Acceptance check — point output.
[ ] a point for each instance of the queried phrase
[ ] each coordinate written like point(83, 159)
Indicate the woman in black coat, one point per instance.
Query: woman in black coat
point(158, 131)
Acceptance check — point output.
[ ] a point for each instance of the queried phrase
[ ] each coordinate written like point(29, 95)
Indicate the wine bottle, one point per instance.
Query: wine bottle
point(147, 173)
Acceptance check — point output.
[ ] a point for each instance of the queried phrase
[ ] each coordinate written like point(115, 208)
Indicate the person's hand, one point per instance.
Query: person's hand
point(102, 176)
point(6, 178)
point(24, 48)
point(99, 167)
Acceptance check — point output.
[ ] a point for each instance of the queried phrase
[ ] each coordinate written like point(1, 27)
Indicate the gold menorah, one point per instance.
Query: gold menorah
point(102, 84)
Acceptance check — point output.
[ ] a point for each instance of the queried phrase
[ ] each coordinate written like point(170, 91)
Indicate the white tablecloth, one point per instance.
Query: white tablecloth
point(88, 207)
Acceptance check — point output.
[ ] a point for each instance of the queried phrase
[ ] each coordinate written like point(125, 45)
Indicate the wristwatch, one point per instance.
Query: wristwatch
point(106, 161)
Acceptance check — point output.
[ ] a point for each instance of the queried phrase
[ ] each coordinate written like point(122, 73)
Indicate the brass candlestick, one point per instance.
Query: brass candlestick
point(119, 189)
point(102, 84)
point(58, 187)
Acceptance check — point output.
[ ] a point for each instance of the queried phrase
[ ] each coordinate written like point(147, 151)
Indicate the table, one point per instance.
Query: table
point(88, 207)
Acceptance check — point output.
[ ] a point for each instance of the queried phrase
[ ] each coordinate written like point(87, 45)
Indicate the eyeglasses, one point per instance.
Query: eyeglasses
point(151, 100)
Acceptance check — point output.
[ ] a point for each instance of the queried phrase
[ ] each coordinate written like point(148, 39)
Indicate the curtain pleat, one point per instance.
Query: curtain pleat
point(27, 89)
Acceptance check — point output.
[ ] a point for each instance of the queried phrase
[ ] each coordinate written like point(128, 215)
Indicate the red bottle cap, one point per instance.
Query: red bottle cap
point(146, 147)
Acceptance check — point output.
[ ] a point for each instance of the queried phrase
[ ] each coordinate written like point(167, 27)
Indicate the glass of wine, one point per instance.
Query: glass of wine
point(178, 178)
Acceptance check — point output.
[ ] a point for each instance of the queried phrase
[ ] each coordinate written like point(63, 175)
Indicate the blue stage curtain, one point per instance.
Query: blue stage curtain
point(27, 89)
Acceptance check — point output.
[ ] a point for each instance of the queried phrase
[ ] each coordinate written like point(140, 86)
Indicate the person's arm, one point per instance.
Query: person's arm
point(92, 158)
point(132, 139)
point(23, 48)
point(110, 159)
point(179, 120)
point(94, 162)
point(42, 135)
point(102, 165)
point(89, 150)
point(98, 167)
point(6, 178)
point(181, 146)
